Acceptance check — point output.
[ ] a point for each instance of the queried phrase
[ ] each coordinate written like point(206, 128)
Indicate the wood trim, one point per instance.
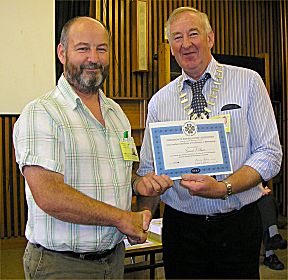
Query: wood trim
point(164, 64)
point(226, 27)
point(117, 36)
point(127, 53)
point(255, 23)
point(267, 70)
point(155, 44)
point(138, 52)
point(122, 49)
point(150, 54)
point(14, 187)
point(112, 76)
point(160, 22)
point(2, 198)
point(7, 196)
point(235, 33)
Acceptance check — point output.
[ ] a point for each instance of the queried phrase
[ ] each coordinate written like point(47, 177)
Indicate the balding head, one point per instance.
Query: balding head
point(76, 21)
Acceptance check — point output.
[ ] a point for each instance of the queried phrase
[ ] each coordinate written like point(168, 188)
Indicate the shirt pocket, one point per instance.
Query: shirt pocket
point(123, 167)
point(239, 127)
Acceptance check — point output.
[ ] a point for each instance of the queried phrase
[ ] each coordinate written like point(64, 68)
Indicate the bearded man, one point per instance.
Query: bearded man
point(78, 186)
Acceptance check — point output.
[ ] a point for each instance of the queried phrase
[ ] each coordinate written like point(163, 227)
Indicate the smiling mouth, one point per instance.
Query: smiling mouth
point(189, 54)
point(92, 67)
point(96, 70)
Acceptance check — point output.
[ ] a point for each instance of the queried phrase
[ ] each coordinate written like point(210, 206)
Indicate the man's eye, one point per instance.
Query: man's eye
point(82, 49)
point(193, 34)
point(102, 50)
point(178, 37)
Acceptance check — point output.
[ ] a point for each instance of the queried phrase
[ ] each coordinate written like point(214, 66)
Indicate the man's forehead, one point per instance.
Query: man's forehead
point(87, 24)
point(88, 31)
point(188, 19)
point(186, 16)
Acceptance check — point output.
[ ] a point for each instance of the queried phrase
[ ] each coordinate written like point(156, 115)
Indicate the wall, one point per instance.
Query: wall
point(27, 71)
point(27, 52)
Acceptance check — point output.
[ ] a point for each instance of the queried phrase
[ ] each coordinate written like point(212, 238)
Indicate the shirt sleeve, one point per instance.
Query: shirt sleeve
point(266, 153)
point(36, 139)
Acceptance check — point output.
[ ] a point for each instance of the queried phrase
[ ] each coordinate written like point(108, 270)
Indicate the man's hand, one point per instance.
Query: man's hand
point(241, 180)
point(152, 185)
point(135, 225)
point(203, 185)
point(266, 191)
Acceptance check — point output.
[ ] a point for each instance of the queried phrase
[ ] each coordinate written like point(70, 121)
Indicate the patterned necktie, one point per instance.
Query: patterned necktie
point(199, 102)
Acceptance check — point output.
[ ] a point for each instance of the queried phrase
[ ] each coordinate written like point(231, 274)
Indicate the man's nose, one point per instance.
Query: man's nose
point(93, 55)
point(186, 41)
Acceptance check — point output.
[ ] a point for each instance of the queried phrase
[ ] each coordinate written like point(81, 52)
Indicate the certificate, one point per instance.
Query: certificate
point(183, 147)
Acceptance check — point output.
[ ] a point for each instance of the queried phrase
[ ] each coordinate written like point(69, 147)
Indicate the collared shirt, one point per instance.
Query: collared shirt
point(58, 132)
point(253, 139)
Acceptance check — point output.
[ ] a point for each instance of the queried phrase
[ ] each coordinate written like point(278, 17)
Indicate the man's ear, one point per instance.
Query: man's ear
point(172, 51)
point(210, 38)
point(61, 53)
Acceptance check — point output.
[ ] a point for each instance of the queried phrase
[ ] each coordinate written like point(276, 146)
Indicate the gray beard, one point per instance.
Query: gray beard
point(90, 84)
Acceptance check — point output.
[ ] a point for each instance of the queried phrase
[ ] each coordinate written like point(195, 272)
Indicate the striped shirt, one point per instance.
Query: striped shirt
point(58, 132)
point(253, 139)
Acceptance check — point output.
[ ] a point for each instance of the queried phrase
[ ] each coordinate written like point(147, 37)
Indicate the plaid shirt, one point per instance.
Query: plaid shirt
point(58, 132)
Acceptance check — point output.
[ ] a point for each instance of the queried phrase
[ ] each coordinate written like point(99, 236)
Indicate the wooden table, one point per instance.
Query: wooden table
point(151, 248)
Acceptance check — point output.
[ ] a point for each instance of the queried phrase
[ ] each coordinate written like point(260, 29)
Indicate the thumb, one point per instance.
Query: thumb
point(146, 216)
point(133, 241)
point(188, 177)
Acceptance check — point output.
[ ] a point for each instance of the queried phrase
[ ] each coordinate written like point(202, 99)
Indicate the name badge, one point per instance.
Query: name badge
point(227, 123)
point(128, 148)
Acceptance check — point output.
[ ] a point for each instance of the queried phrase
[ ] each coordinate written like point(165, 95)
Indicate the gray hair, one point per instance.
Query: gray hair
point(181, 10)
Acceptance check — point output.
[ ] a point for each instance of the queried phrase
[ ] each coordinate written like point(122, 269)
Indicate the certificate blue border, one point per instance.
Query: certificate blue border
point(157, 132)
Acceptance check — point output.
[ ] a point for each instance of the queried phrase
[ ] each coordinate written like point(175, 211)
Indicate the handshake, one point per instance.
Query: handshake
point(137, 223)
point(137, 229)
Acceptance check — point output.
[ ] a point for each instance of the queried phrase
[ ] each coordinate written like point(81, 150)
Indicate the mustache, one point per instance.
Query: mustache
point(92, 66)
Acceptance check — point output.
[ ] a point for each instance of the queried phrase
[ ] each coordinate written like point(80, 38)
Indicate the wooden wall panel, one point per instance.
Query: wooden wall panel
point(8, 191)
point(2, 183)
point(13, 207)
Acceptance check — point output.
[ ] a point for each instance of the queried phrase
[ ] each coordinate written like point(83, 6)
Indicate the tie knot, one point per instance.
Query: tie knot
point(206, 77)
point(199, 103)
point(201, 81)
point(198, 85)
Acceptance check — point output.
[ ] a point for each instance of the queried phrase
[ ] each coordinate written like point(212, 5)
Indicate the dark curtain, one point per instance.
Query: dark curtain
point(65, 10)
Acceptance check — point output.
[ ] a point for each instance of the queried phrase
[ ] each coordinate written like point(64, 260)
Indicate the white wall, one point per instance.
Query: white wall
point(27, 56)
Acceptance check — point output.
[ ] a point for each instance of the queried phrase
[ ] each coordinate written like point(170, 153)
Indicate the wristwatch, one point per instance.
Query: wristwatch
point(228, 189)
